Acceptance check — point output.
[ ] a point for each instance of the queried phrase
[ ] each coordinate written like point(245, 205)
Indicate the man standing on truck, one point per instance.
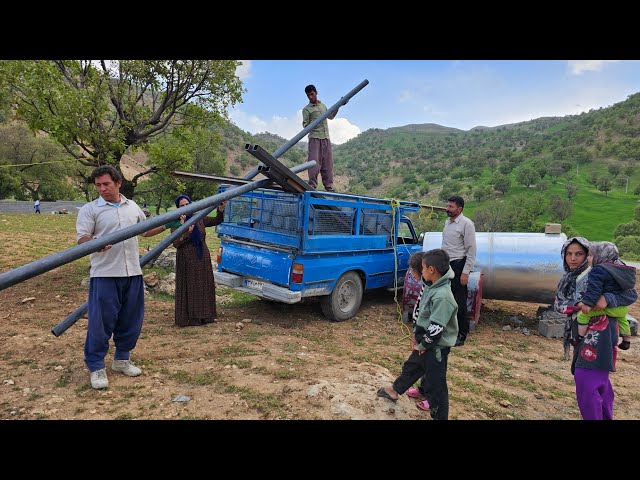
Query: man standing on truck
point(319, 142)
point(459, 241)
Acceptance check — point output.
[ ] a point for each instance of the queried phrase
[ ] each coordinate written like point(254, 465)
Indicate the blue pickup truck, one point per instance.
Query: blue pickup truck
point(287, 246)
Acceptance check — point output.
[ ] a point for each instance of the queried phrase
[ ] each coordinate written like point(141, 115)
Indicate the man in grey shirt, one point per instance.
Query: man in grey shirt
point(116, 290)
point(459, 241)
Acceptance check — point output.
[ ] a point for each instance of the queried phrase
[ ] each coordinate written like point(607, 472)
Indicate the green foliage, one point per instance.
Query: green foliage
point(33, 166)
point(502, 183)
point(604, 185)
point(628, 229)
point(559, 208)
point(629, 247)
point(97, 111)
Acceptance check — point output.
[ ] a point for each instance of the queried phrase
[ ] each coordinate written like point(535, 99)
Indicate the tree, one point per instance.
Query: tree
point(614, 169)
point(501, 183)
point(629, 247)
point(559, 208)
point(39, 167)
point(627, 229)
point(604, 185)
point(526, 176)
point(572, 190)
point(98, 110)
point(482, 192)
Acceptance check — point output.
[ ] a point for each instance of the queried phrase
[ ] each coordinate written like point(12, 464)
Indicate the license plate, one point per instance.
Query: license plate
point(253, 284)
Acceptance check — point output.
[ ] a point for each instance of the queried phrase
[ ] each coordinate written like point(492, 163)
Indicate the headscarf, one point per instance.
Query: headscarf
point(569, 292)
point(195, 233)
point(604, 252)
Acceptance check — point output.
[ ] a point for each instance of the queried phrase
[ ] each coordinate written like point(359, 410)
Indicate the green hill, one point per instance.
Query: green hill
point(510, 168)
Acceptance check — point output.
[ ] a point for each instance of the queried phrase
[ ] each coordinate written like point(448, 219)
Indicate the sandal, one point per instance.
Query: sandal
point(414, 393)
point(624, 345)
point(423, 405)
point(383, 393)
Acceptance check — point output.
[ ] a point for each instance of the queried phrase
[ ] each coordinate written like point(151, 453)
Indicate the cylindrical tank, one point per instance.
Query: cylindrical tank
point(515, 266)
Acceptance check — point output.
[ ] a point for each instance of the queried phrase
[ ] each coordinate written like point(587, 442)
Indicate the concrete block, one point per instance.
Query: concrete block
point(552, 228)
point(551, 327)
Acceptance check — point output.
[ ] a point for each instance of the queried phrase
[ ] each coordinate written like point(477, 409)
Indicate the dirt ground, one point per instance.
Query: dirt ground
point(263, 360)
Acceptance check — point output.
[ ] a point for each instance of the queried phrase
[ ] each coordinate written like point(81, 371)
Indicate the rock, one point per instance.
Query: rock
point(151, 279)
point(9, 382)
point(246, 320)
point(506, 327)
point(54, 399)
point(168, 284)
point(58, 367)
point(239, 325)
point(28, 299)
point(166, 259)
point(515, 321)
point(181, 398)
point(85, 282)
point(505, 403)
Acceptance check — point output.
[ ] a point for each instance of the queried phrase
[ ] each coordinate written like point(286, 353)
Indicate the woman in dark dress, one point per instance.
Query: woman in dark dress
point(195, 288)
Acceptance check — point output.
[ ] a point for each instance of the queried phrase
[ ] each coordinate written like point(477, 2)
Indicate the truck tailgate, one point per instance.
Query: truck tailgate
point(257, 262)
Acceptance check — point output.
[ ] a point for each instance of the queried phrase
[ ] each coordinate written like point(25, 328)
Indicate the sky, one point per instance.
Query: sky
point(453, 93)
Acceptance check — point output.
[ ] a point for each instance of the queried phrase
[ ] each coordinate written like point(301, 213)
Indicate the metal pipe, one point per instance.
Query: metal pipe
point(50, 262)
point(72, 318)
point(343, 101)
point(523, 267)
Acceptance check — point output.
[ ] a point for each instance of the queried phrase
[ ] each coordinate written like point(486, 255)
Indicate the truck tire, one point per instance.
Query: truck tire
point(345, 299)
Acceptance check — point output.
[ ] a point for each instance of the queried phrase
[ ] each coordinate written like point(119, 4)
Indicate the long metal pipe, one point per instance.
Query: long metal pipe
point(50, 262)
point(343, 101)
point(73, 317)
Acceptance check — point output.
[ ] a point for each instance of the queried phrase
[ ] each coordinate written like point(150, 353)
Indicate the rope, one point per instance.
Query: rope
point(37, 163)
point(404, 329)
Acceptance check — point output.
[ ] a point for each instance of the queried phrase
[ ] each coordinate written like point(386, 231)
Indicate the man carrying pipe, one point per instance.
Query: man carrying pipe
point(116, 288)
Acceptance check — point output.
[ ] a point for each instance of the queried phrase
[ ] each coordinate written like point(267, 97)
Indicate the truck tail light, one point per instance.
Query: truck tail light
point(297, 273)
point(219, 257)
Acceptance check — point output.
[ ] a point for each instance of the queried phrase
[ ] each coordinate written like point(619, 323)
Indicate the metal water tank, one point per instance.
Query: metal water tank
point(515, 266)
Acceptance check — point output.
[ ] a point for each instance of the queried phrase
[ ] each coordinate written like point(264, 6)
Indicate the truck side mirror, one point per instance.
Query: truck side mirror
point(421, 238)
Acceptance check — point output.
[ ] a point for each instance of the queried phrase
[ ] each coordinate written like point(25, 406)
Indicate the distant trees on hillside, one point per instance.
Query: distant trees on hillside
point(97, 110)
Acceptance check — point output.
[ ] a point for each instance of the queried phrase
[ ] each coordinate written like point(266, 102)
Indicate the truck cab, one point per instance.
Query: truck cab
point(287, 246)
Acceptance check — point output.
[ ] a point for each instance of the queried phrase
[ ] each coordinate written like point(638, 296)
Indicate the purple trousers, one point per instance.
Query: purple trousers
point(320, 151)
point(594, 394)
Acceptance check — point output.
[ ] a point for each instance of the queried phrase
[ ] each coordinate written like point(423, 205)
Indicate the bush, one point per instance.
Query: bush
point(629, 247)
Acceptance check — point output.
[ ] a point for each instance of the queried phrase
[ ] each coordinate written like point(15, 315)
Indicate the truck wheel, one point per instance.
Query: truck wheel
point(345, 299)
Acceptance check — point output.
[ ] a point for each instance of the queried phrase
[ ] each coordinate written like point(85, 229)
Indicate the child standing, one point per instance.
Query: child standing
point(435, 332)
point(610, 277)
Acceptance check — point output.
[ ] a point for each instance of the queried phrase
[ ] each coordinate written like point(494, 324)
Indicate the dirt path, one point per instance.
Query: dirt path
point(283, 362)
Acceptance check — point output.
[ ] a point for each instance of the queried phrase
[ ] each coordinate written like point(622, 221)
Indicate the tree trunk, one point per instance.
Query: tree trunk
point(127, 189)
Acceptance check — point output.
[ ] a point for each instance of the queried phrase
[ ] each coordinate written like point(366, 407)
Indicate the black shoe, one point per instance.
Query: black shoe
point(624, 345)
point(460, 341)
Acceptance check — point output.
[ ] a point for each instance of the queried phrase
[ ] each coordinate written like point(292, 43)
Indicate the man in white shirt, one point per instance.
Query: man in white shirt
point(459, 241)
point(116, 289)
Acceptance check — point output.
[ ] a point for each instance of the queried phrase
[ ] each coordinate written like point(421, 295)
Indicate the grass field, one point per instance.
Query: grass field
point(594, 216)
point(25, 238)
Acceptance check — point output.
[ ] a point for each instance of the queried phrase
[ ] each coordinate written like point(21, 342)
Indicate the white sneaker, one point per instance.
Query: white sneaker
point(99, 379)
point(125, 366)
